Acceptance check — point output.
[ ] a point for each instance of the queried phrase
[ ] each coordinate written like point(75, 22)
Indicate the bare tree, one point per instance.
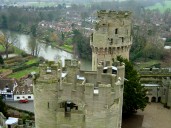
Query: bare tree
point(34, 46)
point(7, 41)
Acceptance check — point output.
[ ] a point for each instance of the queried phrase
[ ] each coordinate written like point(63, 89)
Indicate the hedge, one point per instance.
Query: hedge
point(21, 67)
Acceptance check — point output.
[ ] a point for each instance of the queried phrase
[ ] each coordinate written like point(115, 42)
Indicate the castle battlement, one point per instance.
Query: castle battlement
point(73, 98)
point(113, 14)
point(72, 63)
point(68, 94)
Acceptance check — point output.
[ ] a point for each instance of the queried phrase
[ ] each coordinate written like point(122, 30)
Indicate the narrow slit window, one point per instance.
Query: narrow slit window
point(122, 39)
point(116, 31)
point(48, 105)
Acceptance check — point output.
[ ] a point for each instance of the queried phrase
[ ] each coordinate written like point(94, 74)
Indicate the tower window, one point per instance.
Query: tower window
point(48, 105)
point(92, 37)
point(110, 50)
point(110, 41)
point(116, 31)
point(122, 38)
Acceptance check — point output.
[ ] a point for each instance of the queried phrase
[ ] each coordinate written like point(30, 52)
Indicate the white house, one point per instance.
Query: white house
point(24, 91)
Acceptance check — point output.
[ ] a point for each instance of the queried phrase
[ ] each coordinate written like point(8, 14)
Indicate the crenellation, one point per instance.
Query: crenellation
point(87, 99)
point(91, 95)
point(106, 78)
point(71, 63)
point(113, 14)
point(111, 37)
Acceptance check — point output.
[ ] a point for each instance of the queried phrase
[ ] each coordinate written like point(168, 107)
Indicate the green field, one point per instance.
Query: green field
point(2, 48)
point(20, 74)
point(140, 65)
point(32, 61)
point(43, 4)
point(161, 7)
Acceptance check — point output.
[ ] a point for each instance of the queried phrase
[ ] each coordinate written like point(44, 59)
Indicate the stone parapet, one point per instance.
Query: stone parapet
point(114, 14)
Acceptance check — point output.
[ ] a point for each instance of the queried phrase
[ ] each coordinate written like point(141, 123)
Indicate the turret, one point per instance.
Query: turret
point(45, 95)
point(111, 37)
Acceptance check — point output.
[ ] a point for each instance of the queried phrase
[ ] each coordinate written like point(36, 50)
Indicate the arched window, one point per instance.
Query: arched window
point(17, 92)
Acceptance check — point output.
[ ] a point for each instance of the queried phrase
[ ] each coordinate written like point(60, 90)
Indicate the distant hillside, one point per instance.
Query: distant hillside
point(161, 6)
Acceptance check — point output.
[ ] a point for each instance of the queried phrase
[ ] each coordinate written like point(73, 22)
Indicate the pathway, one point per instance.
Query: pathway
point(23, 106)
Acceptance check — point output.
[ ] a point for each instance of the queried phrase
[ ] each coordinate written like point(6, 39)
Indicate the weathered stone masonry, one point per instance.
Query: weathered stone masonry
point(70, 98)
point(111, 37)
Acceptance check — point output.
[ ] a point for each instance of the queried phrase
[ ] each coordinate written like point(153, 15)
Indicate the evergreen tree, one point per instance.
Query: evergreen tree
point(134, 96)
point(81, 43)
point(34, 30)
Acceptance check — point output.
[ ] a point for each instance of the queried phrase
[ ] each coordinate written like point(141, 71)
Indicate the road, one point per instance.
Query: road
point(24, 106)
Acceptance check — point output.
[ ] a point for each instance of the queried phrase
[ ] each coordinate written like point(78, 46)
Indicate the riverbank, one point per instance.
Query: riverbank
point(64, 49)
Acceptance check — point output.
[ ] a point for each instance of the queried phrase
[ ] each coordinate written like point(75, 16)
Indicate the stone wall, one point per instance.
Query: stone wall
point(111, 37)
point(2, 119)
point(96, 99)
point(161, 76)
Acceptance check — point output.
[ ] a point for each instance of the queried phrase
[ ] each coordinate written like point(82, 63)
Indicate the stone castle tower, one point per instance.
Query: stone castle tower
point(66, 97)
point(111, 37)
point(70, 98)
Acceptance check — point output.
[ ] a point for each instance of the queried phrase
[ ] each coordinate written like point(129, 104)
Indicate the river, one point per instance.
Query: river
point(47, 52)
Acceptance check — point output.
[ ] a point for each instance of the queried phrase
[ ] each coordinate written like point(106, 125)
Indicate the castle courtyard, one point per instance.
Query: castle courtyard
point(154, 116)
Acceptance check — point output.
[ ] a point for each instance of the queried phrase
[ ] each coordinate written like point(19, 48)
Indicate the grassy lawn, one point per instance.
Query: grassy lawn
point(2, 48)
point(160, 6)
point(43, 4)
point(149, 63)
point(22, 73)
point(4, 70)
point(17, 50)
point(32, 61)
point(68, 48)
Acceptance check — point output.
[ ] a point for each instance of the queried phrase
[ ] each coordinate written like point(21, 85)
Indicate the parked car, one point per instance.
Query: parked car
point(23, 100)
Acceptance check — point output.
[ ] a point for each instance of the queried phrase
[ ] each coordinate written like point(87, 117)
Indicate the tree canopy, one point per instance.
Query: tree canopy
point(6, 42)
point(81, 43)
point(134, 96)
